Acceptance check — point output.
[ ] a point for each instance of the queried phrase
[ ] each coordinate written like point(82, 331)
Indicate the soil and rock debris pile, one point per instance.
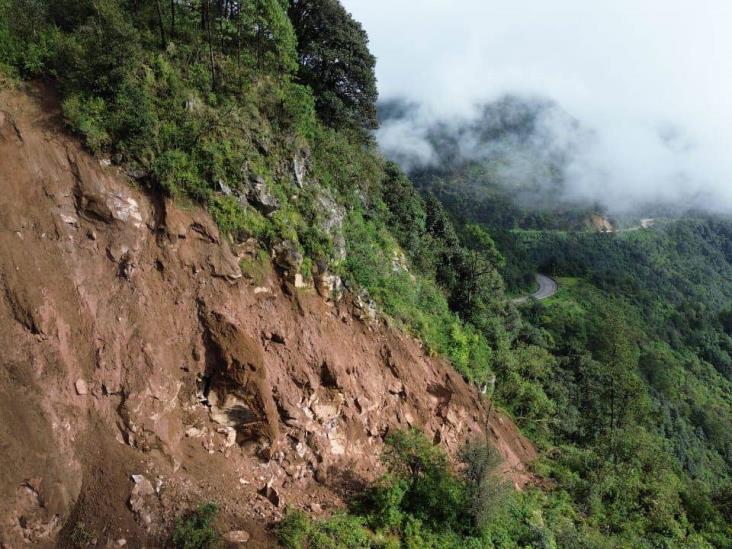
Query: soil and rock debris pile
point(142, 373)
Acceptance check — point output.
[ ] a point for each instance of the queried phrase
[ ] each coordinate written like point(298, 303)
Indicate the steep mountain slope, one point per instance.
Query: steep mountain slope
point(142, 373)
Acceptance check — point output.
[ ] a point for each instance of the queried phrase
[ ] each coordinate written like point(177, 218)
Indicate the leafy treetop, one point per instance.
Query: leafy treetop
point(336, 63)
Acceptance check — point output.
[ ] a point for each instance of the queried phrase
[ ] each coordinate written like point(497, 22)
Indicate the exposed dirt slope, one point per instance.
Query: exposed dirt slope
point(130, 344)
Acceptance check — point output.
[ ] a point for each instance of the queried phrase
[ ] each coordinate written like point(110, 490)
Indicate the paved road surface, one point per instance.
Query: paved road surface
point(547, 288)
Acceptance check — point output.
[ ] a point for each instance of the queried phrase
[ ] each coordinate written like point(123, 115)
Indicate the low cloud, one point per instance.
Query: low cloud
point(634, 95)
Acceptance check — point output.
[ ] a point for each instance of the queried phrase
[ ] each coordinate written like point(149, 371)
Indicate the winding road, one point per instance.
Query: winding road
point(547, 288)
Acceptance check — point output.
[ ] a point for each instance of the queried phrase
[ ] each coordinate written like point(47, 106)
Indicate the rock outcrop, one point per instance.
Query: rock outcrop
point(140, 373)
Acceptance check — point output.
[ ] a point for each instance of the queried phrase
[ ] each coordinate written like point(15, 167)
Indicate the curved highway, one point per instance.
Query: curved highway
point(547, 288)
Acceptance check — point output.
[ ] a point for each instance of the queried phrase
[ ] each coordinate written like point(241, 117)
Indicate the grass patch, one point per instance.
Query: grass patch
point(566, 289)
point(258, 269)
point(81, 535)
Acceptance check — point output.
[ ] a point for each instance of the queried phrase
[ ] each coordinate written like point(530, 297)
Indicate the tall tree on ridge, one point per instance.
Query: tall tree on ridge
point(336, 63)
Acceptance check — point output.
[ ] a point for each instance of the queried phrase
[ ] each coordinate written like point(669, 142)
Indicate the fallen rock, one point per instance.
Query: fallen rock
point(365, 306)
point(240, 395)
point(237, 536)
point(224, 264)
point(230, 434)
point(259, 195)
point(8, 126)
point(81, 387)
point(329, 286)
point(276, 338)
point(396, 387)
point(97, 202)
point(140, 491)
point(325, 411)
point(69, 220)
point(175, 222)
point(271, 493)
point(117, 251)
point(300, 281)
point(194, 432)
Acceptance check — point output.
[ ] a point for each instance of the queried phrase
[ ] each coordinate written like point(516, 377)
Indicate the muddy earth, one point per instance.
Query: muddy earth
point(142, 372)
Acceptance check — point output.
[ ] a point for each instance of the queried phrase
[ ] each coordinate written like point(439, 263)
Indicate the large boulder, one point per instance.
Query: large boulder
point(287, 257)
point(258, 194)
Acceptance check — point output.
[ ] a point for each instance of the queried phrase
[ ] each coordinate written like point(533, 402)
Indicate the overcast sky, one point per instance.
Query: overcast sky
point(652, 78)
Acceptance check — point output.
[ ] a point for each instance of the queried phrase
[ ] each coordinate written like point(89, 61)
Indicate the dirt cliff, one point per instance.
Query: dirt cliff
point(142, 373)
point(601, 224)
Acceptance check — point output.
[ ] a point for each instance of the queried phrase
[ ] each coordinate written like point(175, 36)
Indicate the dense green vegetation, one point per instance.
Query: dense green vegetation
point(422, 502)
point(634, 402)
point(260, 111)
point(335, 62)
point(195, 529)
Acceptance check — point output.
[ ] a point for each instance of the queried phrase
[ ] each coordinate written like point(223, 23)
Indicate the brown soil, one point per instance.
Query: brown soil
point(131, 344)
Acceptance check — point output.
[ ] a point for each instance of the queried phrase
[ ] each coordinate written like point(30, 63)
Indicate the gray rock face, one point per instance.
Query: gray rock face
point(365, 306)
point(142, 490)
point(258, 194)
point(224, 188)
point(329, 286)
point(331, 222)
point(299, 170)
point(136, 172)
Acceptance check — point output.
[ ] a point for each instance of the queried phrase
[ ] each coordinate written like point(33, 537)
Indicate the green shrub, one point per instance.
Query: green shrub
point(88, 115)
point(384, 503)
point(294, 529)
point(195, 530)
point(178, 175)
point(434, 495)
point(340, 531)
point(81, 535)
point(240, 222)
point(488, 491)
point(298, 113)
point(258, 268)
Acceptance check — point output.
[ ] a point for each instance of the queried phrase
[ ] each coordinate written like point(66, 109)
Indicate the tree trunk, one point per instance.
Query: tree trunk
point(172, 18)
point(161, 24)
point(207, 22)
point(238, 46)
point(219, 16)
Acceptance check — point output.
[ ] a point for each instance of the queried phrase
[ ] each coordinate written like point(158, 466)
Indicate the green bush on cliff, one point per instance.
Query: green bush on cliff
point(195, 529)
point(423, 501)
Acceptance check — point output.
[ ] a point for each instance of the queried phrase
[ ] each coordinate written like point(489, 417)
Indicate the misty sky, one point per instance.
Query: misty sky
point(651, 78)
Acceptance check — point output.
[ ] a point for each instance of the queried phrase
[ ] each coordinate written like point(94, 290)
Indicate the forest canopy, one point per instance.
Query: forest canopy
point(260, 112)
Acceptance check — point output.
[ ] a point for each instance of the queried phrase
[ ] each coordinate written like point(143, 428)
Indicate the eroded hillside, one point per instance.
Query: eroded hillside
point(142, 372)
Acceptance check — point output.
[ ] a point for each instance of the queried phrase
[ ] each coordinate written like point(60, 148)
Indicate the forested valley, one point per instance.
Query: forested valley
point(623, 379)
